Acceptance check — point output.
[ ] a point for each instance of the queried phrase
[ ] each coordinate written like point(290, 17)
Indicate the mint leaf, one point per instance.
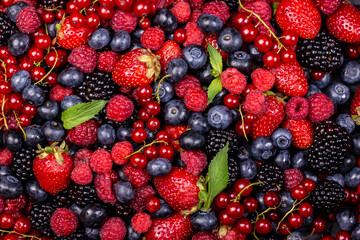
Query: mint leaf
point(214, 88)
point(218, 175)
point(81, 112)
point(215, 60)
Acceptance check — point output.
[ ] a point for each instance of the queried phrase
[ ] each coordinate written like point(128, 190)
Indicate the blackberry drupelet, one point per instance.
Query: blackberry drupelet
point(232, 4)
point(52, 4)
point(121, 210)
point(22, 163)
point(79, 234)
point(271, 176)
point(7, 28)
point(216, 140)
point(330, 147)
point(321, 53)
point(327, 196)
point(234, 170)
point(40, 218)
point(83, 195)
point(61, 200)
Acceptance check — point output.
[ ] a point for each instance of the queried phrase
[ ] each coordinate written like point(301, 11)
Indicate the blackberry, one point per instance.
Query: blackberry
point(232, 4)
point(97, 85)
point(61, 200)
point(216, 140)
point(40, 218)
point(7, 28)
point(22, 163)
point(271, 176)
point(330, 147)
point(83, 195)
point(327, 196)
point(121, 210)
point(52, 4)
point(234, 170)
point(321, 53)
point(79, 234)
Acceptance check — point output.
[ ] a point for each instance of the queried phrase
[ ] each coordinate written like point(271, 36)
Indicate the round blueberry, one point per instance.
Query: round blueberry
point(323, 82)
point(92, 233)
point(70, 101)
point(219, 98)
point(299, 160)
point(195, 56)
point(349, 163)
point(177, 68)
point(209, 23)
point(175, 113)
point(33, 95)
point(120, 42)
point(346, 121)
point(346, 219)
point(352, 178)
point(248, 169)
point(53, 131)
point(311, 175)
point(35, 192)
point(283, 159)
point(312, 90)
point(164, 211)
point(70, 77)
point(219, 117)
point(49, 110)
point(255, 54)
point(244, 152)
point(165, 19)
point(20, 80)
point(282, 138)
point(5, 170)
point(99, 38)
point(286, 202)
point(51, 28)
point(131, 234)
point(123, 191)
point(229, 40)
point(165, 89)
point(204, 74)
point(158, 167)
point(337, 177)
point(19, 44)
point(10, 187)
point(134, 45)
point(12, 140)
point(259, 196)
point(263, 148)
point(106, 134)
point(240, 60)
point(123, 134)
point(34, 135)
point(355, 143)
point(76, 209)
point(204, 221)
point(136, 34)
point(338, 93)
point(13, 10)
point(197, 122)
point(93, 215)
point(192, 140)
point(350, 72)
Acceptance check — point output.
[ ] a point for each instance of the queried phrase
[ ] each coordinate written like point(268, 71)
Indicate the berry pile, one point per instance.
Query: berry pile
point(179, 119)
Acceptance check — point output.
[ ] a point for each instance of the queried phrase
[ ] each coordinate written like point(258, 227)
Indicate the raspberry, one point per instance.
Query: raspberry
point(27, 20)
point(204, 236)
point(113, 229)
point(195, 161)
point(233, 80)
point(217, 8)
point(293, 177)
point(196, 99)
point(123, 21)
point(321, 107)
point(2, 205)
point(297, 108)
point(12, 122)
point(107, 61)
point(168, 51)
point(140, 195)
point(15, 205)
point(185, 84)
point(82, 174)
point(137, 177)
point(262, 79)
point(260, 7)
point(153, 38)
point(57, 93)
point(195, 15)
point(255, 102)
point(101, 161)
point(84, 134)
point(31, 3)
point(119, 108)
point(327, 6)
point(193, 34)
point(83, 57)
point(6, 157)
point(233, 234)
point(141, 222)
point(120, 150)
point(103, 187)
point(197, 5)
point(82, 156)
point(63, 222)
point(182, 11)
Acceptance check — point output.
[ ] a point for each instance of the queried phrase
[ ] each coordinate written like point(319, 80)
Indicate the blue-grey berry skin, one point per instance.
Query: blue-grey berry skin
point(283, 159)
point(175, 112)
point(355, 234)
point(164, 211)
point(93, 215)
point(19, 44)
point(282, 138)
point(53, 131)
point(166, 90)
point(229, 40)
point(219, 117)
point(346, 121)
point(198, 122)
point(158, 167)
point(177, 69)
point(209, 23)
point(51, 28)
point(92, 233)
point(346, 219)
point(299, 160)
point(13, 10)
point(106, 134)
point(204, 221)
point(286, 202)
point(131, 234)
point(192, 140)
point(5, 170)
point(123, 191)
point(350, 72)
point(13, 140)
point(70, 101)
point(165, 19)
point(20, 80)
point(339, 93)
point(260, 199)
point(33, 95)
point(195, 56)
point(49, 110)
point(337, 177)
point(10, 187)
point(70, 77)
point(34, 135)
point(312, 90)
point(99, 38)
point(323, 82)
point(240, 60)
point(349, 163)
point(35, 192)
point(76, 209)
point(263, 148)
point(312, 176)
point(352, 178)
point(248, 169)
point(120, 41)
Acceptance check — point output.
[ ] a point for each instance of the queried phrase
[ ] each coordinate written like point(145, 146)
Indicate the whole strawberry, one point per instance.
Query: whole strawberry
point(302, 132)
point(137, 67)
point(52, 168)
point(70, 37)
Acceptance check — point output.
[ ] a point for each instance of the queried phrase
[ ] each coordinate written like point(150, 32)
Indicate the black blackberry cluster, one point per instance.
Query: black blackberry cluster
point(83, 195)
point(52, 4)
point(79, 234)
point(216, 140)
point(40, 218)
point(327, 196)
point(232, 4)
point(234, 170)
point(7, 28)
point(121, 210)
point(22, 163)
point(329, 149)
point(321, 53)
point(61, 200)
point(271, 176)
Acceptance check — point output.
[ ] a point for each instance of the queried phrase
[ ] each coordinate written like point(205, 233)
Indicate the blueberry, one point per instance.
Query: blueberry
point(229, 40)
point(355, 143)
point(286, 202)
point(5, 170)
point(49, 110)
point(99, 39)
point(120, 42)
point(71, 77)
point(92, 233)
point(35, 192)
point(349, 163)
point(248, 169)
point(311, 175)
point(34, 135)
point(337, 177)
point(20, 80)
point(33, 95)
point(244, 152)
point(195, 56)
point(259, 196)
point(120, 171)
point(164, 211)
point(219, 98)
point(338, 93)
point(158, 167)
point(13, 10)
point(165, 89)
point(209, 23)
point(136, 34)
point(93, 215)
point(219, 117)
point(51, 28)
point(70, 101)
point(177, 161)
point(131, 234)
point(299, 160)
point(350, 72)
point(151, 135)
point(73, 149)
point(53, 131)
point(12, 140)
point(355, 234)
point(197, 122)
point(282, 138)
point(106, 134)
point(123, 191)
point(323, 82)
point(346, 121)
point(307, 74)
point(263, 148)
point(76, 209)
point(192, 140)
point(312, 90)
point(346, 219)
point(177, 68)
point(235, 115)
point(255, 54)
point(123, 134)
point(19, 44)
point(166, 20)
point(204, 74)
point(352, 178)
point(204, 221)
point(10, 187)
point(283, 159)
point(134, 45)
point(240, 60)
point(175, 113)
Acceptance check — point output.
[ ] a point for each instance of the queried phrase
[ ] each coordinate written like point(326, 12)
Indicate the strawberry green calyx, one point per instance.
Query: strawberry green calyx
point(152, 63)
point(53, 149)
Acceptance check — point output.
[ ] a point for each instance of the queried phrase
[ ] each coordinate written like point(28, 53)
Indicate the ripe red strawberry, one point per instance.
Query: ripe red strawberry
point(175, 227)
point(344, 24)
point(290, 79)
point(52, 168)
point(169, 50)
point(300, 16)
point(178, 189)
point(268, 121)
point(137, 67)
point(70, 37)
point(302, 132)
point(355, 107)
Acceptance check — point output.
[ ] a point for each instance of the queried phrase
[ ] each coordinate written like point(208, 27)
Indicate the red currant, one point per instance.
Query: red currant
point(7, 221)
point(60, 13)
point(231, 101)
point(144, 23)
point(287, 56)
point(271, 59)
point(106, 13)
point(141, 9)
point(263, 226)
point(43, 42)
point(234, 210)
point(51, 78)
point(124, 4)
point(166, 151)
point(82, 3)
point(243, 128)
point(107, 3)
point(151, 152)
point(153, 204)
point(240, 20)
point(139, 135)
point(138, 160)
point(163, 136)
point(250, 204)
point(319, 224)
point(244, 226)
point(153, 123)
point(317, 74)
point(284, 228)
point(35, 54)
point(180, 35)
point(77, 20)
point(29, 110)
point(271, 199)
point(22, 225)
point(5, 88)
point(53, 59)
point(92, 20)
point(241, 184)
point(289, 38)
point(221, 200)
point(143, 115)
point(138, 124)
point(305, 209)
point(248, 32)
point(263, 43)
point(248, 88)
point(308, 184)
point(72, 7)
point(299, 192)
point(16, 101)
point(11, 70)
point(342, 235)
point(37, 73)
point(144, 91)
point(225, 219)
point(48, 17)
point(153, 108)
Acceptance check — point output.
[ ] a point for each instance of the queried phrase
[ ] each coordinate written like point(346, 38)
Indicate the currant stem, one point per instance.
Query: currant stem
point(4, 66)
point(243, 123)
point(21, 235)
point(157, 94)
point(52, 68)
point(239, 194)
point(18, 123)
point(144, 146)
point(312, 233)
point(3, 112)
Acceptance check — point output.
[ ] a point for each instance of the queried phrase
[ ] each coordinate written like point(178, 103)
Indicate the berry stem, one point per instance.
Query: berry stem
point(52, 68)
point(3, 112)
point(243, 123)
point(4, 66)
point(239, 194)
point(20, 234)
point(312, 233)
point(157, 94)
point(265, 211)
point(18, 123)
point(144, 146)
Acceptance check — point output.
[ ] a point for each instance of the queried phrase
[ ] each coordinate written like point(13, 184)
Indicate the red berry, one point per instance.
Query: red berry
point(240, 20)
point(248, 32)
point(295, 220)
point(243, 128)
point(271, 59)
point(139, 135)
point(308, 184)
point(249, 118)
point(138, 160)
point(225, 219)
point(250, 204)
point(124, 4)
point(72, 7)
point(241, 184)
point(51, 78)
point(77, 20)
point(151, 152)
point(163, 136)
point(144, 23)
point(263, 226)
point(60, 13)
point(144, 91)
point(284, 228)
point(271, 199)
point(180, 35)
point(48, 17)
point(138, 124)
point(106, 13)
point(37, 73)
point(342, 235)
point(143, 115)
point(5, 88)
point(317, 74)
point(153, 108)
point(263, 43)
point(107, 3)
point(234, 210)
point(319, 224)
point(351, 51)
point(153, 204)
point(82, 3)
point(11, 70)
point(299, 192)
point(92, 20)
point(35, 54)
point(141, 9)
point(7, 220)
point(29, 110)
point(244, 226)
point(166, 151)
point(221, 200)
point(287, 56)
point(305, 209)
point(289, 38)
point(153, 124)
point(231, 101)
point(43, 42)
point(16, 101)
point(22, 225)
point(273, 215)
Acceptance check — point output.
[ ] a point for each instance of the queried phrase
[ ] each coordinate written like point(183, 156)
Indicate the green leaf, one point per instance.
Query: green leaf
point(214, 88)
point(215, 60)
point(275, 7)
point(81, 112)
point(218, 175)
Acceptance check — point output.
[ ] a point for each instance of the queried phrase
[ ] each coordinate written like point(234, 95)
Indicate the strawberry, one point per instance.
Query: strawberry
point(268, 121)
point(52, 168)
point(300, 16)
point(137, 67)
point(175, 227)
point(302, 132)
point(168, 51)
point(344, 24)
point(70, 37)
point(178, 189)
point(290, 79)
point(175, 133)
point(355, 107)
